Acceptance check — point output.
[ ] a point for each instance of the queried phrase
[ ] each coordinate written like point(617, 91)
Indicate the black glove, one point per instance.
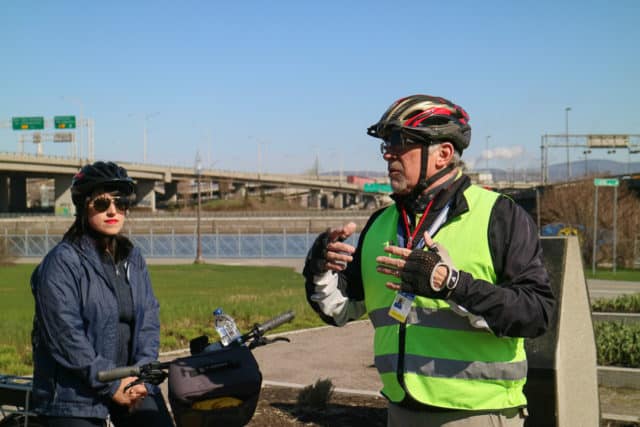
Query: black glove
point(417, 274)
point(317, 256)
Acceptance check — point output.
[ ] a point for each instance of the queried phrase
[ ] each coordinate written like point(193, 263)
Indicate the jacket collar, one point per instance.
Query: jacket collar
point(453, 194)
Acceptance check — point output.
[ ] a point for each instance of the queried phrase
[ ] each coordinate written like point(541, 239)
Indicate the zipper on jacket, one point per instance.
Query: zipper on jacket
point(401, 340)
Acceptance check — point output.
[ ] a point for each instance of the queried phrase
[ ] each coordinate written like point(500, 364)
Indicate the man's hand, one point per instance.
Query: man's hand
point(426, 273)
point(337, 253)
point(132, 396)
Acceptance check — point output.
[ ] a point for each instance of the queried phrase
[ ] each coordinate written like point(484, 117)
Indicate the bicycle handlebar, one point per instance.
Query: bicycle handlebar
point(117, 373)
point(259, 329)
point(155, 368)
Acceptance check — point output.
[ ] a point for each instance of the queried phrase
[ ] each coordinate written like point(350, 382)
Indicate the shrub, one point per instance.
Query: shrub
point(621, 304)
point(617, 344)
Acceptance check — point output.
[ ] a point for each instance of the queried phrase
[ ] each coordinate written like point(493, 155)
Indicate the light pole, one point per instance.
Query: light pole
point(586, 162)
point(566, 134)
point(198, 170)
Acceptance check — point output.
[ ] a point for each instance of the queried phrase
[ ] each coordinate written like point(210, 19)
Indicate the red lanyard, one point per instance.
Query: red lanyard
point(411, 236)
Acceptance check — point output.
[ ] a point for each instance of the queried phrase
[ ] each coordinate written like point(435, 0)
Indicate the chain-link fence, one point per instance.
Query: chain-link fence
point(174, 245)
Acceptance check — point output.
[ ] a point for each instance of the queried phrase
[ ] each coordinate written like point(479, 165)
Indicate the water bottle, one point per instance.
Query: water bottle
point(226, 327)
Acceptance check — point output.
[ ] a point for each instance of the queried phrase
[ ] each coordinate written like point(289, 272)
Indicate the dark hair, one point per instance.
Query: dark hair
point(118, 246)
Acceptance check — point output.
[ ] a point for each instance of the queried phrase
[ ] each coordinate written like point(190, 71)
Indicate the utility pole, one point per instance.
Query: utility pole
point(198, 170)
point(487, 166)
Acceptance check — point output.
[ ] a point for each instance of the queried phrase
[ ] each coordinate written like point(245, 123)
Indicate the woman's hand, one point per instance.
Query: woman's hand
point(133, 394)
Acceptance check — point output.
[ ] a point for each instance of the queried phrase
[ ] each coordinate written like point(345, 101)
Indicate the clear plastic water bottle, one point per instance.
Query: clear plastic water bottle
point(226, 327)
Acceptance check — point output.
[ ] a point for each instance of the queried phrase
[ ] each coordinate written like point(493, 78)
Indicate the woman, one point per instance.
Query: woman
point(95, 310)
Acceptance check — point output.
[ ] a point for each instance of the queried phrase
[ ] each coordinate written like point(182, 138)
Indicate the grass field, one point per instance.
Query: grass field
point(188, 294)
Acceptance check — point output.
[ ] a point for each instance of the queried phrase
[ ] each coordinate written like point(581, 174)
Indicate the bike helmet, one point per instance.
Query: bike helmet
point(424, 120)
point(107, 175)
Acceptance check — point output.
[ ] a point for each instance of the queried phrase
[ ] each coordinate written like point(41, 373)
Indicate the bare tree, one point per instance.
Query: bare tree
point(572, 205)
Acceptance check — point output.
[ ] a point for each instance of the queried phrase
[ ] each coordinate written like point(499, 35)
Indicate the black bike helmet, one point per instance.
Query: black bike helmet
point(107, 175)
point(424, 120)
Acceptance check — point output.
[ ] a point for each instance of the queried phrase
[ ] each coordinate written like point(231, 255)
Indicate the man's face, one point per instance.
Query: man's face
point(403, 167)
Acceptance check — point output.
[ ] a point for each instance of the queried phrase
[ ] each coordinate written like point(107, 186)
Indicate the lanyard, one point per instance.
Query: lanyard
point(435, 226)
point(411, 236)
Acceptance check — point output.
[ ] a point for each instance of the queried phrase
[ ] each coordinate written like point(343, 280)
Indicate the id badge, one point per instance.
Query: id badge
point(401, 306)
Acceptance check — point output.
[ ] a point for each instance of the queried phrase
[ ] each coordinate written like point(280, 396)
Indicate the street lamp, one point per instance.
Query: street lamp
point(566, 134)
point(198, 170)
point(586, 162)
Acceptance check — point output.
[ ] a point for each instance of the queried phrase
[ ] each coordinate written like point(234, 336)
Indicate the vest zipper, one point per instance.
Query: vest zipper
point(400, 372)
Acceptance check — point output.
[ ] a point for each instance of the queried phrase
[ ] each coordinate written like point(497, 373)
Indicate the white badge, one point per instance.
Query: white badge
point(401, 306)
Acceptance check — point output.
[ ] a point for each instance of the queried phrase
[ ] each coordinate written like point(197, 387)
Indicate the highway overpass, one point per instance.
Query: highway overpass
point(160, 182)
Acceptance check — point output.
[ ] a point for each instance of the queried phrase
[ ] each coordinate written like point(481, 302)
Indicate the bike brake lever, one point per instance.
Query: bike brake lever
point(133, 383)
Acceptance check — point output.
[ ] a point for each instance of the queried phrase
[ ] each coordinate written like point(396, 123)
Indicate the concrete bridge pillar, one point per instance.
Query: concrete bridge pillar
point(240, 190)
point(63, 205)
point(338, 200)
point(171, 192)
point(18, 193)
point(146, 195)
point(4, 193)
point(314, 199)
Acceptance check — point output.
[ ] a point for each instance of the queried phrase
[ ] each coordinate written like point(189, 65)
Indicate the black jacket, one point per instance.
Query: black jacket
point(522, 302)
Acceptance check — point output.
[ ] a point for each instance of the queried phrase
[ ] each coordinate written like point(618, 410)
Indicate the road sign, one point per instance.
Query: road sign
point(606, 182)
point(376, 187)
point(27, 123)
point(64, 122)
point(63, 137)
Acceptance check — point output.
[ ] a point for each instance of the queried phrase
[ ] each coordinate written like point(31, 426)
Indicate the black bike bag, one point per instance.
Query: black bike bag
point(215, 388)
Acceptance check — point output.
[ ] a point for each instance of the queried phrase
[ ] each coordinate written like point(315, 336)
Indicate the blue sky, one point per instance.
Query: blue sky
point(273, 85)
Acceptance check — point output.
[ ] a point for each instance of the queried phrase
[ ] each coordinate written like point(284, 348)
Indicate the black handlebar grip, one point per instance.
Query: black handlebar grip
point(276, 321)
point(117, 373)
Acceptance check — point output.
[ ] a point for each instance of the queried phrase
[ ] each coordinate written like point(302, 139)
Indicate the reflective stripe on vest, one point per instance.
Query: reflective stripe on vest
point(447, 362)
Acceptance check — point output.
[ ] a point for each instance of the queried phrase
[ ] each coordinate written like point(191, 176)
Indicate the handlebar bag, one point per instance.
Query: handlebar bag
point(218, 387)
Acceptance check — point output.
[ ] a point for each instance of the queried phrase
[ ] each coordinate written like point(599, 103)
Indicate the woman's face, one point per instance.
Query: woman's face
point(106, 212)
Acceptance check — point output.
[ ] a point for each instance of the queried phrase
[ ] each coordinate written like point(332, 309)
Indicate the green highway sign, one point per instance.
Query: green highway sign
point(27, 123)
point(606, 182)
point(64, 122)
point(376, 187)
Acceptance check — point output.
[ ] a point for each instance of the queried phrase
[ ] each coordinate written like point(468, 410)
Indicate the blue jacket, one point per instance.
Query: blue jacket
point(75, 328)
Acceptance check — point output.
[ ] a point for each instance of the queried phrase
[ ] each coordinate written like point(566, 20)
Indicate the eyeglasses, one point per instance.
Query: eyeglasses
point(102, 204)
point(397, 144)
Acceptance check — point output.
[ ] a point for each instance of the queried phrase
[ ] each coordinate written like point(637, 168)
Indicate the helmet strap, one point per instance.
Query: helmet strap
point(423, 181)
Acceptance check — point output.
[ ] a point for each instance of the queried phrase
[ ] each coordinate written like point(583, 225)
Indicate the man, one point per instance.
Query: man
point(450, 275)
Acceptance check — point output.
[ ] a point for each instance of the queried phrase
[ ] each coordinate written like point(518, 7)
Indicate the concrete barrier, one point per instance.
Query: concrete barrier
point(562, 385)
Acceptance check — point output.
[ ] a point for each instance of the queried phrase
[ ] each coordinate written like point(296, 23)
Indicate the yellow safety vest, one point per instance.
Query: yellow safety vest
point(445, 361)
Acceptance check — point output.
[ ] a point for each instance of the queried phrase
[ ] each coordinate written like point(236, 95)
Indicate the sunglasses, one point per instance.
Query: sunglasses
point(397, 143)
point(101, 204)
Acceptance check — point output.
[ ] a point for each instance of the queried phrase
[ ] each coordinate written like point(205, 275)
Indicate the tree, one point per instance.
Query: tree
point(572, 205)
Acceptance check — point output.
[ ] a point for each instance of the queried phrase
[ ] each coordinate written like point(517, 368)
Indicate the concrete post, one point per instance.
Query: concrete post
point(146, 195)
point(171, 192)
point(4, 193)
point(315, 199)
point(562, 384)
point(18, 193)
point(240, 190)
point(63, 205)
point(338, 200)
